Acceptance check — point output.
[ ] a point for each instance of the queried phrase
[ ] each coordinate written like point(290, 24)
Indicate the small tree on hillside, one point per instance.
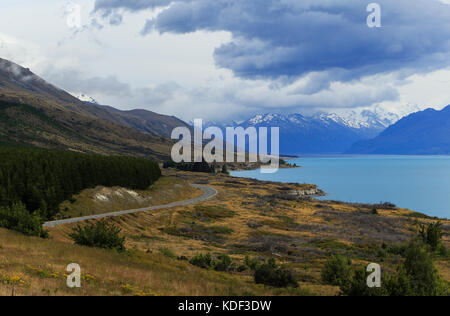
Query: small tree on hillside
point(431, 234)
point(338, 271)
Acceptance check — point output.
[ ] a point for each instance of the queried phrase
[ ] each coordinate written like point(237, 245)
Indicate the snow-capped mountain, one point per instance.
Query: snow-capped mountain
point(421, 133)
point(377, 118)
point(363, 119)
point(85, 98)
point(321, 133)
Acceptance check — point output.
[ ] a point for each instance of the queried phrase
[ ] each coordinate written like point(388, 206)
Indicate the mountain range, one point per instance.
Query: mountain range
point(321, 133)
point(34, 112)
point(421, 133)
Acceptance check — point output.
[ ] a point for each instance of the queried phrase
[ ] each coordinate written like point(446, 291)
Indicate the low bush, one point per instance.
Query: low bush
point(204, 261)
point(338, 271)
point(224, 263)
point(99, 235)
point(251, 263)
point(271, 274)
point(415, 276)
point(397, 250)
point(19, 219)
point(357, 286)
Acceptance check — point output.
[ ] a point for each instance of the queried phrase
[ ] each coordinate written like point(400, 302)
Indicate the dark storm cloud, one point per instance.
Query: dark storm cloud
point(292, 38)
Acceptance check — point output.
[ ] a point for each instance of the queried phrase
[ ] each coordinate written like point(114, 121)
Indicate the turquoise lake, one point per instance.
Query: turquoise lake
point(418, 183)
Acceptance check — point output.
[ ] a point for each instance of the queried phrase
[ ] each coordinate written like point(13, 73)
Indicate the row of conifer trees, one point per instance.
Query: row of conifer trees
point(42, 179)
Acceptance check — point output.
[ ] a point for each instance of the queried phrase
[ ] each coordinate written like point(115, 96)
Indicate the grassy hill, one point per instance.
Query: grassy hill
point(34, 112)
point(33, 266)
point(247, 218)
point(140, 120)
point(53, 128)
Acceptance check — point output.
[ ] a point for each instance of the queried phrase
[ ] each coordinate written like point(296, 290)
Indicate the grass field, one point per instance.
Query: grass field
point(37, 267)
point(247, 217)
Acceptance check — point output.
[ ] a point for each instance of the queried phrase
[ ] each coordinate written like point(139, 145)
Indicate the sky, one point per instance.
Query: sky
point(230, 59)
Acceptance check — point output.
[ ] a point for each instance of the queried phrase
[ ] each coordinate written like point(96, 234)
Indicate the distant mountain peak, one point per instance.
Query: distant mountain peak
point(364, 119)
point(421, 133)
point(266, 118)
point(85, 98)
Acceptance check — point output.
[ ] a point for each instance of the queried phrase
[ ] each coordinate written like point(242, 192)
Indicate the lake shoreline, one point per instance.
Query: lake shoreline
point(412, 182)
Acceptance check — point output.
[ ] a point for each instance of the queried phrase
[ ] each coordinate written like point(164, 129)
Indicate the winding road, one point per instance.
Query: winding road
point(208, 193)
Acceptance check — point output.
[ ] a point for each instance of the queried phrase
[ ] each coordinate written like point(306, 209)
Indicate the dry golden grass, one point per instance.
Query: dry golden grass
point(299, 234)
point(40, 266)
point(105, 200)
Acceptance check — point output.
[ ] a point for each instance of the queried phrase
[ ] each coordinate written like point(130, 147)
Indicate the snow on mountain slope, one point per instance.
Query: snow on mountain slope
point(321, 133)
point(85, 98)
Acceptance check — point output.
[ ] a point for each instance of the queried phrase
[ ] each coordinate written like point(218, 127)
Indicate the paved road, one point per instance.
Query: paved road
point(208, 194)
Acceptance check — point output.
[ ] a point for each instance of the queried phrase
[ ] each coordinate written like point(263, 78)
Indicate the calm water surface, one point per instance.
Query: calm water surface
point(418, 183)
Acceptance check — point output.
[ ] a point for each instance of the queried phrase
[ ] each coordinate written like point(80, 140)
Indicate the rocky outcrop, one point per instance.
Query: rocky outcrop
point(306, 193)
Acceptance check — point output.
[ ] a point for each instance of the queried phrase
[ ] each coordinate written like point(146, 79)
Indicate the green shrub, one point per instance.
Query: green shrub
point(99, 235)
point(206, 261)
point(251, 263)
point(203, 261)
point(418, 273)
point(416, 276)
point(442, 251)
point(431, 234)
point(223, 264)
point(398, 250)
point(271, 274)
point(18, 218)
point(338, 271)
point(357, 286)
